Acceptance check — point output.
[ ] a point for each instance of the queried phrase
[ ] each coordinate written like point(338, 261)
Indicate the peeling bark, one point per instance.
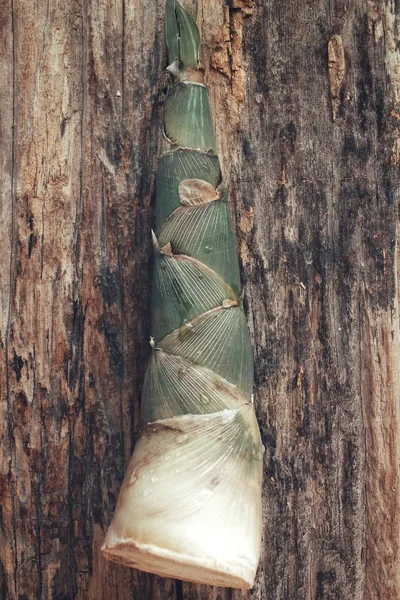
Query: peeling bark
point(315, 202)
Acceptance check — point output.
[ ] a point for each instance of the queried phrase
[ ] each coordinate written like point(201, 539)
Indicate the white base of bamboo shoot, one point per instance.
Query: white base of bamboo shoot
point(190, 503)
point(165, 563)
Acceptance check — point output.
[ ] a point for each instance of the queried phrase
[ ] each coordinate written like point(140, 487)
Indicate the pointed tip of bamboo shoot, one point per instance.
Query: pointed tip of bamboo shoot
point(167, 250)
point(174, 68)
point(228, 303)
point(154, 239)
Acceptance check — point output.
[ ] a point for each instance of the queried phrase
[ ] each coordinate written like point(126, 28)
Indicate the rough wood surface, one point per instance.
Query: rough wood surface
point(313, 151)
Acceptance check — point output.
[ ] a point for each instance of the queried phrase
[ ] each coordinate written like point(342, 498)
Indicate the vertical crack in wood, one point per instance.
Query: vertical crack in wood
point(179, 589)
point(337, 69)
point(123, 64)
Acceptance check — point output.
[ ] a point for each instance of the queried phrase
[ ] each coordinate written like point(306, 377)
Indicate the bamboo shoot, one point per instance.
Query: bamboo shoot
point(190, 503)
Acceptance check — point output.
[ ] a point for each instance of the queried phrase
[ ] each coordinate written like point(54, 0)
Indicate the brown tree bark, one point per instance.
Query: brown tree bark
point(306, 99)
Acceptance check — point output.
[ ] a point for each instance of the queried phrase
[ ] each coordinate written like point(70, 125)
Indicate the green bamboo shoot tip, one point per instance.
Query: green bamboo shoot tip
point(182, 35)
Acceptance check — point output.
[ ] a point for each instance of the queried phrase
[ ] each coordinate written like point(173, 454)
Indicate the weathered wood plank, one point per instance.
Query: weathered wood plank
point(45, 186)
point(320, 269)
point(6, 227)
point(315, 204)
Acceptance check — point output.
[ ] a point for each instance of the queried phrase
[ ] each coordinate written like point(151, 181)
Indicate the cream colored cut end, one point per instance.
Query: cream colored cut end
point(165, 563)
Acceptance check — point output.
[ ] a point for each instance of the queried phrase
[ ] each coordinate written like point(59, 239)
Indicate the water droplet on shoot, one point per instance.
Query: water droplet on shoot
point(147, 492)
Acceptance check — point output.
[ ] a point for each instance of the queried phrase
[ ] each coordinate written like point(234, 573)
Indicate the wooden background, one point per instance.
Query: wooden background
point(315, 204)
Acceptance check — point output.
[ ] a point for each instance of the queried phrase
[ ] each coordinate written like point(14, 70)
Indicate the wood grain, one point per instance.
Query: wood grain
point(315, 205)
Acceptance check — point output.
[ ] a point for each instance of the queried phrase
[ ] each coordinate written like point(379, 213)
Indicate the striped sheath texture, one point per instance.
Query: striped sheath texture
point(190, 503)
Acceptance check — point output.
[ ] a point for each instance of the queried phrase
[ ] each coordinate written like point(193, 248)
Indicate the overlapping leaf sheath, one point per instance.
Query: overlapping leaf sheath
point(190, 504)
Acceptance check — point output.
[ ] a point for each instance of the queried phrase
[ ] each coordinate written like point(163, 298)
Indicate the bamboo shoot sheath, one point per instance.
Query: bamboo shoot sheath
point(190, 503)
